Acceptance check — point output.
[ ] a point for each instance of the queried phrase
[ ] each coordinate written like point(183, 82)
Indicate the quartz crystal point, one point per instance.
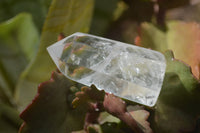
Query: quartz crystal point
point(127, 71)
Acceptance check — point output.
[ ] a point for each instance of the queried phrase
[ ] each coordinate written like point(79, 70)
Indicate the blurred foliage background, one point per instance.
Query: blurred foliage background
point(27, 27)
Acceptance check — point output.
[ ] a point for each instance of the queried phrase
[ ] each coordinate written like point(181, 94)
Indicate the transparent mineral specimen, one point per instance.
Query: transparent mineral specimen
point(127, 71)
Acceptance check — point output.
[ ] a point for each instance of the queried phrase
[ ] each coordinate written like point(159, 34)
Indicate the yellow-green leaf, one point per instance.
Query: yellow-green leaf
point(19, 41)
point(181, 37)
point(66, 16)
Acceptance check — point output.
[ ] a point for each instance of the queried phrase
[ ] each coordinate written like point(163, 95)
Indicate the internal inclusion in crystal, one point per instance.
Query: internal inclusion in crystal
point(128, 71)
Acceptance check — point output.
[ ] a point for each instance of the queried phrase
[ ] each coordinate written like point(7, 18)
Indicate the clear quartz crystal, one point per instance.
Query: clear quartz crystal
point(127, 71)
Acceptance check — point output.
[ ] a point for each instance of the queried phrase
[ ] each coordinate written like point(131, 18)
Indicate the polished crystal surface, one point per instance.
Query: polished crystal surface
point(127, 71)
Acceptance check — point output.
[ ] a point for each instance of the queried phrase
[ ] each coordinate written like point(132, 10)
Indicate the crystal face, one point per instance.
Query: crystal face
point(127, 71)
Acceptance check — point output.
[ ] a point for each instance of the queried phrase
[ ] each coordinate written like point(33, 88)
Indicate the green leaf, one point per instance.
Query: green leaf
point(50, 111)
point(66, 16)
point(106, 117)
point(9, 119)
point(176, 108)
point(156, 42)
point(188, 45)
point(18, 45)
point(38, 9)
point(182, 38)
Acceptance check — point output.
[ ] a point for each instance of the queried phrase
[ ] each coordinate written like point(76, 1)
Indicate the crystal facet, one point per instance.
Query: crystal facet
point(128, 71)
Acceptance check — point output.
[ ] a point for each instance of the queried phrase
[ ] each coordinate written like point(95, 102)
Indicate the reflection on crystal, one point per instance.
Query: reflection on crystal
point(128, 71)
